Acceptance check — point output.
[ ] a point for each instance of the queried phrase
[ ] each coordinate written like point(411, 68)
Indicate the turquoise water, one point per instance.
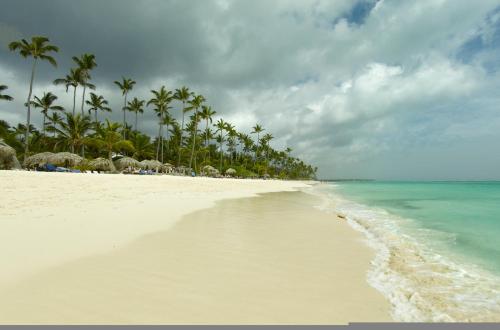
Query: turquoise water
point(468, 212)
point(437, 245)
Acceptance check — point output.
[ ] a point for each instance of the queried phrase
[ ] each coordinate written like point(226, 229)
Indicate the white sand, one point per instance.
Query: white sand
point(110, 249)
point(49, 218)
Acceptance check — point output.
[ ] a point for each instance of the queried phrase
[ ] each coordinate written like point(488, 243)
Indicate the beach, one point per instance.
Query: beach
point(117, 249)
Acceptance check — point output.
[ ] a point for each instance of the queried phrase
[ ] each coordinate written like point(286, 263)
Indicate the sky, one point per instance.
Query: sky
point(387, 89)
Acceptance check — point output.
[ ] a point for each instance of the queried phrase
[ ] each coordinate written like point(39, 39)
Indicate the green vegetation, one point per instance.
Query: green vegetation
point(195, 142)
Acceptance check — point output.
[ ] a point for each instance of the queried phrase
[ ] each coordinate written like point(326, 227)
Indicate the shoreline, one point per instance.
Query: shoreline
point(249, 260)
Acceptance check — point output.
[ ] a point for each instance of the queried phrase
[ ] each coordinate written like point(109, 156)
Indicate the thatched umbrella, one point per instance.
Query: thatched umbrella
point(210, 170)
point(102, 164)
point(231, 171)
point(152, 165)
point(126, 162)
point(8, 159)
point(66, 159)
point(38, 159)
point(168, 168)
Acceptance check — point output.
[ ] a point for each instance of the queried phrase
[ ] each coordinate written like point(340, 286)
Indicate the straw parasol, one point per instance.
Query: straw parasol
point(168, 168)
point(210, 170)
point(151, 165)
point(126, 162)
point(65, 159)
point(8, 159)
point(184, 170)
point(102, 164)
point(231, 171)
point(38, 159)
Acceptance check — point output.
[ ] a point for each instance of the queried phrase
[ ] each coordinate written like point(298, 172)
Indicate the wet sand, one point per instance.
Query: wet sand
point(272, 259)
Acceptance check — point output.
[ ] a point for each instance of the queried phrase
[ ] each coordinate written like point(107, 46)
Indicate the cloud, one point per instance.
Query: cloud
point(346, 84)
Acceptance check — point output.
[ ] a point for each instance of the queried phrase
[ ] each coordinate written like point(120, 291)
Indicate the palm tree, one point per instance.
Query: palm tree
point(45, 104)
point(168, 121)
point(72, 131)
point(38, 48)
point(247, 146)
point(136, 106)
point(85, 62)
point(265, 143)
point(4, 96)
point(257, 129)
point(231, 141)
point(97, 102)
point(126, 86)
point(73, 79)
point(221, 126)
point(183, 94)
point(160, 100)
point(209, 135)
point(143, 149)
point(207, 113)
point(108, 138)
point(195, 103)
point(54, 119)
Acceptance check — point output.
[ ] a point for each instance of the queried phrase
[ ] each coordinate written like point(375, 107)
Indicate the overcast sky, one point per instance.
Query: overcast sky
point(385, 89)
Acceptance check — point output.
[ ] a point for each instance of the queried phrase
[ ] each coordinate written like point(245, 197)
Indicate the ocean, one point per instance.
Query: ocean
point(437, 244)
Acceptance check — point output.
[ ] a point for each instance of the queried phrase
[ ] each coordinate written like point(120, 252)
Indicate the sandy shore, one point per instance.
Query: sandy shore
point(111, 249)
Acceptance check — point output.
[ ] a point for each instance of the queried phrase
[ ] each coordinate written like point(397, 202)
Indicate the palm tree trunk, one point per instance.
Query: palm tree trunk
point(180, 141)
point(28, 116)
point(220, 162)
point(95, 115)
point(161, 139)
point(168, 142)
point(206, 138)
point(256, 150)
point(124, 116)
point(83, 114)
point(43, 128)
point(83, 97)
point(136, 121)
point(158, 143)
point(74, 100)
point(194, 138)
point(206, 142)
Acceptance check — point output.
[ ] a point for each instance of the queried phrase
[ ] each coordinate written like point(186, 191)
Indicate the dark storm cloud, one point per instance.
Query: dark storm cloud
point(386, 77)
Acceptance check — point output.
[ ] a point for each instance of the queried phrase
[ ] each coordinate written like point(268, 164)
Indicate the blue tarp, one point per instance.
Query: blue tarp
point(49, 168)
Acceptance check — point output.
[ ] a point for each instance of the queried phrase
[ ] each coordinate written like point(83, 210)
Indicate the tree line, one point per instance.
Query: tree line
point(193, 142)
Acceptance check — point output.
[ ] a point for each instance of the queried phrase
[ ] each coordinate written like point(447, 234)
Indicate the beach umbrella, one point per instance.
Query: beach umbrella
point(231, 171)
point(151, 165)
point(184, 170)
point(168, 168)
point(102, 164)
point(8, 159)
point(66, 159)
point(209, 170)
point(38, 159)
point(126, 162)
